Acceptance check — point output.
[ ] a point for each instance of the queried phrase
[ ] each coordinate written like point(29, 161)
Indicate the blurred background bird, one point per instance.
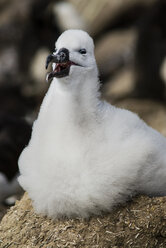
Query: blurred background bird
point(130, 38)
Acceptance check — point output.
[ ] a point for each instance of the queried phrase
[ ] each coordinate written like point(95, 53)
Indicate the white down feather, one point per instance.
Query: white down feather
point(86, 155)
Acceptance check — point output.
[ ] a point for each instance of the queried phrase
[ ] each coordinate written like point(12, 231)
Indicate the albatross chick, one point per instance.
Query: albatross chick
point(85, 155)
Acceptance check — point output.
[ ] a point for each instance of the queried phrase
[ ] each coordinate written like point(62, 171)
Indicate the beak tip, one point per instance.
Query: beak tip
point(47, 78)
point(48, 60)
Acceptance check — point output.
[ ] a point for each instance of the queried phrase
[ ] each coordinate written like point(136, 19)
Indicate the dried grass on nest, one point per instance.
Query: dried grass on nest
point(141, 223)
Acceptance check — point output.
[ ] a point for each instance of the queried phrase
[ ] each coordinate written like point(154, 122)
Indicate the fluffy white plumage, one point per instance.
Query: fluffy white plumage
point(86, 155)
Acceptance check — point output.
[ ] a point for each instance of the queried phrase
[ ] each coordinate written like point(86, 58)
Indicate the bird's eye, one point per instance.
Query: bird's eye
point(82, 51)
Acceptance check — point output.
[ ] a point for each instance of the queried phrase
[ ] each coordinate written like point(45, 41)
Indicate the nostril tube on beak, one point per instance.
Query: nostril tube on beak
point(63, 55)
point(60, 57)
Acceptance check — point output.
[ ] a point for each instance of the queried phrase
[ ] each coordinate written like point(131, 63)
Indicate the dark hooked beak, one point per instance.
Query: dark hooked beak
point(62, 67)
point(61, 57)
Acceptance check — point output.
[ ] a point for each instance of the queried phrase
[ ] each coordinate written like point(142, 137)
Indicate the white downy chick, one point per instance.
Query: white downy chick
point(86, 155)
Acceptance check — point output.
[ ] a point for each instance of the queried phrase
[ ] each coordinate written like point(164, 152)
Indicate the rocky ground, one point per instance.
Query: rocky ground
point(3, 210)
